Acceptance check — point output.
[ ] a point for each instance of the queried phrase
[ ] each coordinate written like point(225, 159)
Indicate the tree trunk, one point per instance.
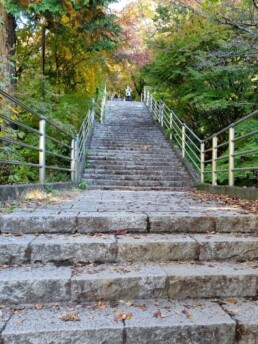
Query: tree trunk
point(7, 49)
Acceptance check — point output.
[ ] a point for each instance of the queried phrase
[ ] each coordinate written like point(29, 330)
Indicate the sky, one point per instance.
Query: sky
point(118, 6)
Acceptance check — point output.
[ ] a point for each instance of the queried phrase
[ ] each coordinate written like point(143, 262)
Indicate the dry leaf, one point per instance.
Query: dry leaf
point(121, 232)
point(101, 304)
point(187, 313)
point(157, 314)
point(69, 317)
point(39, 306)
point(233, 300)
point(129, 304)
point(120, 316)
point(143, 307)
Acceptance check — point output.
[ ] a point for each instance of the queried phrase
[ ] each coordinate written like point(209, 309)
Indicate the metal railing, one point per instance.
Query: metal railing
point(204, 154)
point(68, 151)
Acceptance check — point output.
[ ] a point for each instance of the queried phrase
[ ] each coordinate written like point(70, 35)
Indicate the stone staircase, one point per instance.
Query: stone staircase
point(126, 267)
point(130, 152)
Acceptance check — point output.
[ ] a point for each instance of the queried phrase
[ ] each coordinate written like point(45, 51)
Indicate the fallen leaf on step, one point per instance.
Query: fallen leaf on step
point(157, 314)
point(101, 304)
point(187, 313)
point(233, 300)
point(39, 306)
point(69, 317)
point(143, 307)
point(121, 232)
point(129, 304)
point(120, 316)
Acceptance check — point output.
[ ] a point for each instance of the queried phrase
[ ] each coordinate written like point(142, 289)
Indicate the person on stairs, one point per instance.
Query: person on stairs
point(128, 93)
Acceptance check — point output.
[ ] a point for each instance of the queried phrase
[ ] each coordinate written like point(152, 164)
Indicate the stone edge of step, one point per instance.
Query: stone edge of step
point(116, 248)
point(173, 222)
point(48, 284)
point(145, 321)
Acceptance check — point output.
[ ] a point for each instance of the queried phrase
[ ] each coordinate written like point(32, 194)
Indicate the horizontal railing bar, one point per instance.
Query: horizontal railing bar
point(18, 143)
point(222, 145)
point(232, 125)
point(59, 155)
point(190, 130)
point(246, 135)
point(58, 168)
point(207, 150)
point(189, 138)
point(186, 143)
point(193, 162)
point(246, 169)
point(180, 129)
point(242, 153)
point(206, 161)
point(16, 162)
point(25, 107)
point(180, 144)
point(219, 171)
point(20, 124)
point(59, 142)
point(222, 158)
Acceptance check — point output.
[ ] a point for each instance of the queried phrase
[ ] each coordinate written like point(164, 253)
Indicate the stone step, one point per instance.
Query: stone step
point(136, 159)
point(138, 219)
point(136, 153)
point(129, 146)
point(142, 172)
point(138, 321)
point(83, 283)
point(137, 164)
point(141, 183)
point(138, 188)
point(136, 177)
point(134, 142)
point(109, 248)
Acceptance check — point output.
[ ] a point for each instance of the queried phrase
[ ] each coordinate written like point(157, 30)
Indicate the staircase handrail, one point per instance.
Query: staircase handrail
point(199, 152)
point(73, 145)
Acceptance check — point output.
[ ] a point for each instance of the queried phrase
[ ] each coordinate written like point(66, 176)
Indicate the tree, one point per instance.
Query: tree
point(7, 42)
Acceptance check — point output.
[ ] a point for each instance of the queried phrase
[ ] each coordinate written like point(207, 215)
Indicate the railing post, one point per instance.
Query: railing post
point(84, 137)
point(231, 165)
point(151, 103)
point(214, 159)
point(171, 125)
point(202, 156)
point(93, 112)
point(183, 141)
point(148, 98)
point(76, 158)
point(73, 160)
point(161, 112)
point(42, 152)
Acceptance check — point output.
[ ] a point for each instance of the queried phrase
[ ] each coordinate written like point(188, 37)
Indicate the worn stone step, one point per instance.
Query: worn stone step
point(83, 283)
point(102, 248)
point(122, 166)
point(146, 322)
point(130, 146)
point(142, 172)
point(138, 188)
point(132, 164)
point(140, 183)
point(137, 219)
point(135, 177)
point(162, 161)
point(147, 155)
